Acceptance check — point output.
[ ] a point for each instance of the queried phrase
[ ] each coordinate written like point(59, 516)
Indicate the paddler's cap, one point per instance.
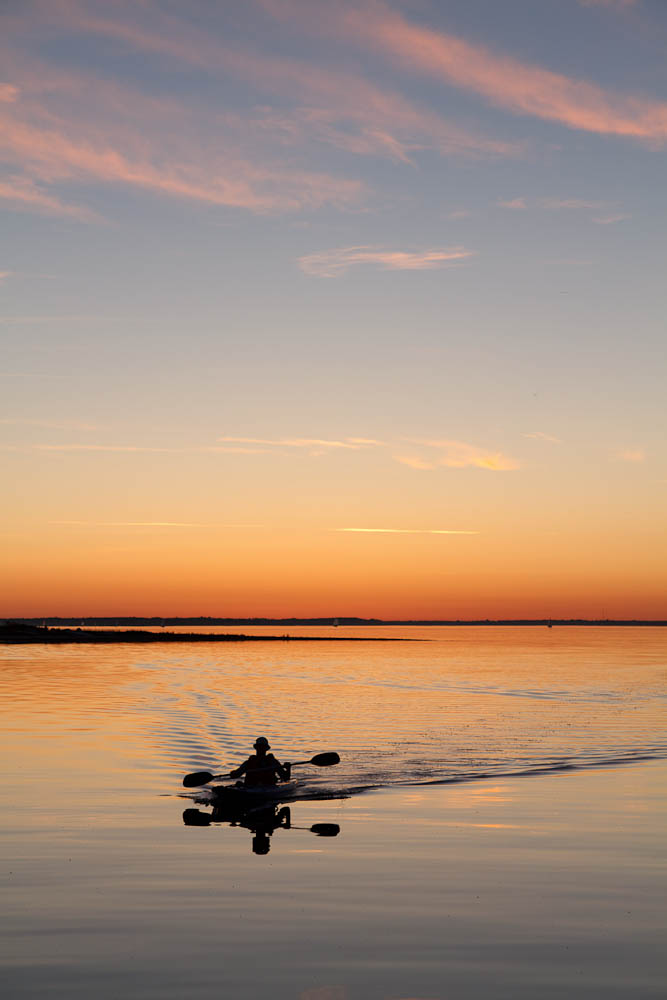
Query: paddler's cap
point(261, 741)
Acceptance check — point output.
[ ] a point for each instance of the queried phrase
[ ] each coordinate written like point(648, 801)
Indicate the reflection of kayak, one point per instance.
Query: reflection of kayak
point(238, 798)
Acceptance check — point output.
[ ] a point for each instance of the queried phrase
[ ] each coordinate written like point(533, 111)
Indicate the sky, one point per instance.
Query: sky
point(333, 309)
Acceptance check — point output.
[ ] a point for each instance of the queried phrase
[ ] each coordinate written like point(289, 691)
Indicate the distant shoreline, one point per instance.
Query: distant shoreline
point(203, 622)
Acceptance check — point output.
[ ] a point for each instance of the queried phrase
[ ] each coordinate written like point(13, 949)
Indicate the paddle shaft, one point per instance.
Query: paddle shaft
point(203, 777)
point(218, 777)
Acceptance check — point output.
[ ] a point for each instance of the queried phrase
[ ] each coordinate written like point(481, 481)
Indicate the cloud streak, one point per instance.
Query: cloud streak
point(149, 524)
point(350, 443)
point(431, 454)
point(608, 214)
point(457, 455)
point(514, 203)
point(519, 87)
point(635, 455)
point(51, 155)
point(53, 424)
point(21, 192)
point(408, 531)
point(63, 127)
point(341, 108)
point(333, 263)
point(612, 4)
point(541, 436)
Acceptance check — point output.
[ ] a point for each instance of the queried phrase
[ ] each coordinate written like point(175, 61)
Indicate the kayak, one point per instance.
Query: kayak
point(242, 799)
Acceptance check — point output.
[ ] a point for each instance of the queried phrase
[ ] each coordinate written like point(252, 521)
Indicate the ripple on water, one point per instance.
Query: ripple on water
point(469, 703)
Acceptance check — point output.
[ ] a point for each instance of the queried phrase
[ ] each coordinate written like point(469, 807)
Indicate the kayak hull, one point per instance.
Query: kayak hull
point(241, 799)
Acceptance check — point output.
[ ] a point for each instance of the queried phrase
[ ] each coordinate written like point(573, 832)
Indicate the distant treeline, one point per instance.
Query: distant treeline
point(205, 622)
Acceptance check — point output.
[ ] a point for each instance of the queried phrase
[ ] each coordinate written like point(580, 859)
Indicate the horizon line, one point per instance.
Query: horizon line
point(326, 620)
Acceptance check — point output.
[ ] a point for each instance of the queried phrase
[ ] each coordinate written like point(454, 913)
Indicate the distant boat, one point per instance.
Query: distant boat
point(335, 623)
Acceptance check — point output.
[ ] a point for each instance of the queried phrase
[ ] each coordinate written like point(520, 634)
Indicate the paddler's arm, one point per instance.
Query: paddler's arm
point(283, 770)
point(238, 771)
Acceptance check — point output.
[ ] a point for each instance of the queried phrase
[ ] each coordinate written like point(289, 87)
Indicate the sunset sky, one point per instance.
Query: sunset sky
point(333, 308)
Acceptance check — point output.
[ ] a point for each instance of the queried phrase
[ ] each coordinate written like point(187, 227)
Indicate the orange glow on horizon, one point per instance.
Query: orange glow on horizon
point(326, 574)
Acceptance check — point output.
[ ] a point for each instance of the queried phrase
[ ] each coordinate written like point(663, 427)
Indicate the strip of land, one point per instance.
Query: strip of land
point(31, 634)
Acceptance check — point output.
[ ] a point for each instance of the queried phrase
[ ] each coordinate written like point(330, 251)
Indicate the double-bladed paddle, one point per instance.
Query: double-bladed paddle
point(194, 817)
point(203, 777)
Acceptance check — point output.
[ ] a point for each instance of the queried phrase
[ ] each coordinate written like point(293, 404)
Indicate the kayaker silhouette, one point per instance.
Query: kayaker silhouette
point(262, 769)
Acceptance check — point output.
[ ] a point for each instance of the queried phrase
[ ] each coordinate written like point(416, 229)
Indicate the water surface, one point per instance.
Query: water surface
point(509, 841)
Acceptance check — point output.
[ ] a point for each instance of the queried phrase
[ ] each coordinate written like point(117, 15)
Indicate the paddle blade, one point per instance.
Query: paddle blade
point(193, 817)
point(197, 778)
point(325, 759)
point(325, 829)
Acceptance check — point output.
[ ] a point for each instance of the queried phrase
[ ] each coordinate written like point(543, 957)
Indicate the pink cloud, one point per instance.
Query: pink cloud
point(341, 108)
point(331, 263)
point(8, 93)
point(613, 4)
point(60, 153)
point(59, 126)
point(22, 192)
point(612, 219)
point(507, 82)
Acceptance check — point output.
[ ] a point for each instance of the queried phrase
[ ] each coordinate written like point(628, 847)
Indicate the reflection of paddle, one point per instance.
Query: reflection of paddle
point(321, 829)
point(194, 817)
point(203, 777)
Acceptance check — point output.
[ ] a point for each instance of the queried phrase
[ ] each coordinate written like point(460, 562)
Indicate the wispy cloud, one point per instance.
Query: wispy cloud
point(227, 445)
point(409, 531)
point(610, 220)
point(324, 444)
point(8, 93)
point(513, 203)
point(541, 436)
point(50, 154)
point(631, 455)
point(520, 87)
point(63, 127)
point(612, 4)
point(340, 107)
point(607, 213)
point(66, 425)
point(21, 192)
point(457, 455)
point(31, 375)
point(415, 462)
point(332, 263)
point(427, 454)
point(141, 449)
point(104, 447)
point(150, 524)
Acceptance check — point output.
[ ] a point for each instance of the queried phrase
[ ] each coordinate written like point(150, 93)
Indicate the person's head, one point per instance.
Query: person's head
point(261, 745)
point(261, 843)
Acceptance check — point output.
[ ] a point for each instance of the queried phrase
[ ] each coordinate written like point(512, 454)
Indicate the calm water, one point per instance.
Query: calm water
point(110, 894)
point(462, 703)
